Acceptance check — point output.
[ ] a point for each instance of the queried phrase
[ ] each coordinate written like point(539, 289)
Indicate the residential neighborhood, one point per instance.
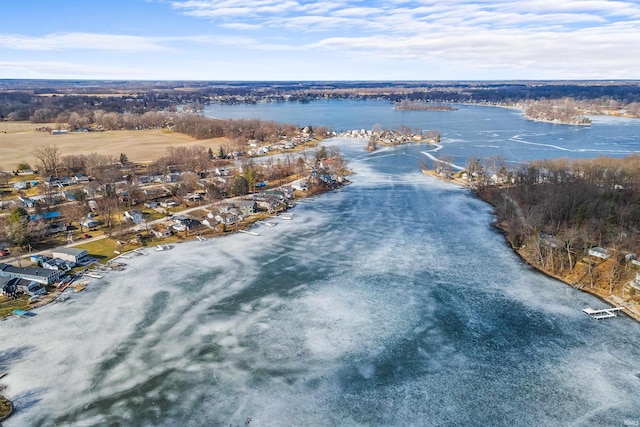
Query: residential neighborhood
point(48, 214)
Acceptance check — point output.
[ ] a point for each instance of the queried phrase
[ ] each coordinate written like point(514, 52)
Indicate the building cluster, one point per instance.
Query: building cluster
point(32, 281)
point(389, 137)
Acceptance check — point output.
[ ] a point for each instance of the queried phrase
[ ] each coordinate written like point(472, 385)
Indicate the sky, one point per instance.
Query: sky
point(262, 40)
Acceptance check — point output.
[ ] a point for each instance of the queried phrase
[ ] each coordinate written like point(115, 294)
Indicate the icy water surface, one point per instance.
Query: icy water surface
point(391, 302)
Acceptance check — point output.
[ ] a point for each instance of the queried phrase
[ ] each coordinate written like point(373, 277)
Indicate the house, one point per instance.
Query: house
point(226, 218)
point(599, 252)
point(28, 202)
point(161, 232)
point(143, 179)
point(36, 274)
point(56, 227)
point(134, 215)
point(47, 216)
point(172, 177)
point(20, 185)
point(80, 178)
point(58, 264)
point(635, 283)
point(278, 194)
point(155, 193)
point(69, 195)
point(31, 287)
point(168, 203)
point(248, 207)
point(89, 223)
point(79, 256)
point(52, 181)
point(300, 185)
point(9, 286)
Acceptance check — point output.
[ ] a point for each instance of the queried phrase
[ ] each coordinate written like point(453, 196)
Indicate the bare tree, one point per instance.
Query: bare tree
point(74, 211)
point(48, 158)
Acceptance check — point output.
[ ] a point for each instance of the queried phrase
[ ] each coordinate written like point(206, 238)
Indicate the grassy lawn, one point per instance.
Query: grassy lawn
point(7, 305)
point(105, 248)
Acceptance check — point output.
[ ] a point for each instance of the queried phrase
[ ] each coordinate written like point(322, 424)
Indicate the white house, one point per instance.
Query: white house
point(79, 256)
point(300, 185)
point(40, 275)
point(599, 252)
point(89, 223)
point(134, 215)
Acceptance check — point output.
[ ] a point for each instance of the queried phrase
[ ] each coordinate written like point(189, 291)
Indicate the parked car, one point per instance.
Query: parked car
point(5, 252)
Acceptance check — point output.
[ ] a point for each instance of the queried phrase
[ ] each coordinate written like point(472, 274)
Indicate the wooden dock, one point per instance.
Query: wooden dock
point(605, 313)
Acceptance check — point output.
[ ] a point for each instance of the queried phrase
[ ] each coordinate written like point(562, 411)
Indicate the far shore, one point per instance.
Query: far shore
point(609, 299)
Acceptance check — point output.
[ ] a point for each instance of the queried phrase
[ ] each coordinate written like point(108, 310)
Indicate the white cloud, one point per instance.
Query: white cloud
point(571, 36)
point(60, 41)
point(38, 69)
point(241, 26)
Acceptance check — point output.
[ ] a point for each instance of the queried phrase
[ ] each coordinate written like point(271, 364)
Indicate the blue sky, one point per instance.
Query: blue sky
point(320, 40)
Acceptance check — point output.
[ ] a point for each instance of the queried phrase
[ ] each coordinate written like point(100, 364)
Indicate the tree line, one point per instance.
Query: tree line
point(556, 210)
point(53, 101)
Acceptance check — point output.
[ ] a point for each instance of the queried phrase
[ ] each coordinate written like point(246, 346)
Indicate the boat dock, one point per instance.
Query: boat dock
point(253, 233)
point(605, 313)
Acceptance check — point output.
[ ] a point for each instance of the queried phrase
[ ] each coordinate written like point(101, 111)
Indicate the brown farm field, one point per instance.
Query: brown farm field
point(18, 141)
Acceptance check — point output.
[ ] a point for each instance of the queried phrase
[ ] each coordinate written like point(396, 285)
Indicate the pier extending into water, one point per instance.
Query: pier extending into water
point(605, 313)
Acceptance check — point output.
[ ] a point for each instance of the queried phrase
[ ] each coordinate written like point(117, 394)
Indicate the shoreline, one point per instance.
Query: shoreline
point(606, 299)
point(52, 296)
point(5, 403)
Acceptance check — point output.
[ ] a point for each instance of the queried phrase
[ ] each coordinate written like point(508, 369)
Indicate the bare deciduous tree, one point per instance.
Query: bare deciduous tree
point(48, 158)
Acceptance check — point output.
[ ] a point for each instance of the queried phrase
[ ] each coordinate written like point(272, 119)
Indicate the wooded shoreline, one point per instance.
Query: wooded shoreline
point(503, 230)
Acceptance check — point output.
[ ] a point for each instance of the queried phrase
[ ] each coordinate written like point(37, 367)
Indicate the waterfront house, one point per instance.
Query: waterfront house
point(31, 287)
point(161, 232)
point(79, 256)
point(36, 274)
point(9, 286)
point(57, 264)
point(599, 252)
point(248, 207)
point(300, 185)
